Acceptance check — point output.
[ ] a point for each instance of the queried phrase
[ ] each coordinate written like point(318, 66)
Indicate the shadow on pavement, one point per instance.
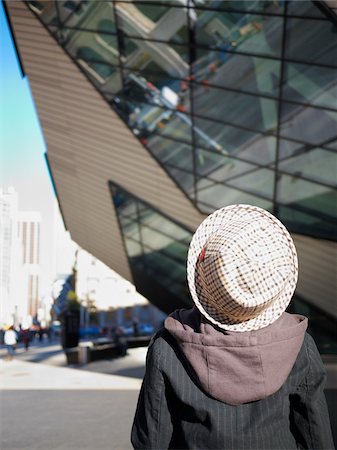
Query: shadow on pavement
point(133, 372)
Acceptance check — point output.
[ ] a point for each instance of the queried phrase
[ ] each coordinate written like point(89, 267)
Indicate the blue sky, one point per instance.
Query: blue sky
point(22, 148)
point(22, 145)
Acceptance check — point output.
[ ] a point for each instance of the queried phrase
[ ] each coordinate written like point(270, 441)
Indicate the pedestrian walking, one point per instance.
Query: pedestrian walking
point(235, 371)
point(10, 340)
point(25, 338)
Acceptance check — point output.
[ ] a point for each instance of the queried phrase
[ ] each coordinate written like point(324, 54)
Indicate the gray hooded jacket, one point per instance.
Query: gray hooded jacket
point(205, 388)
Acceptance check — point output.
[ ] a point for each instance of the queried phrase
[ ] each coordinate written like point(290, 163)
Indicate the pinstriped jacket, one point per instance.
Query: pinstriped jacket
point(175, 410)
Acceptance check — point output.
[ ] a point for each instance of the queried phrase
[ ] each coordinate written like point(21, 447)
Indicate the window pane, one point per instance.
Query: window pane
point(245, 5)
point(219, 167)
point(305, 223)
point(46, 11)
point(184, 179)
point(219, 195)
point(229, 140)
point(85, 14)
point(312, 41)
point(306, 196)
point(311, 84)
point(155, 22)
point(239, 72)
point(171, 152)
point(256, 181)
point(307, 124)
point(160, 250)
point(238, 109)
point(133, 248)
point(304, 9)
point(317, 164)
point(172, 59)
point(249, 33)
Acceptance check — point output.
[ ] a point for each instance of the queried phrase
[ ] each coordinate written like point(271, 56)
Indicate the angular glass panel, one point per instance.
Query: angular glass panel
point(218, 195)
point(230, 140)
point(238, 109)
point(152, 238)
point(305, 223)
point(311, 41)
point(307, 124)
point(219, 167)
point(46, 11)
point(290, 148)
point(160, 250)
point(245, 5)
point(184, 180)
point(249, 33)
point(310, 84)
point(153, 22)
point(167, 93)
point(311, 198)
point(133, 248)
point(130, 227)
point(147, 119)
point(241, 72)
point(96, 46)
point(332, 144)
point(82, 12)
point(171, 152)
point(304, 9)
point(317, 164)
point(139, 54)
point(256, 181)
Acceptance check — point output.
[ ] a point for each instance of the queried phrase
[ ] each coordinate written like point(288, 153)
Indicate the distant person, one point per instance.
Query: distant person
point(10, 340)
point(235, 371)
point(120, 341)
point(135, 325)
point(25, 338)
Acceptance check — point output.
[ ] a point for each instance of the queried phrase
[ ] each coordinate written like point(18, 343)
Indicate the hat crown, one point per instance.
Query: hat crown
point(242, 268)
point(245, 263)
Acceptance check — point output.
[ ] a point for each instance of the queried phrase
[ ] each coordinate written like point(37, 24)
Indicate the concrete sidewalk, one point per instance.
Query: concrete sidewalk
point(47, 405)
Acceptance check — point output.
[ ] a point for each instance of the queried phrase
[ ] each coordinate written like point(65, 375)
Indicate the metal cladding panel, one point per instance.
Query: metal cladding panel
point(88, 145)
point(317, 281)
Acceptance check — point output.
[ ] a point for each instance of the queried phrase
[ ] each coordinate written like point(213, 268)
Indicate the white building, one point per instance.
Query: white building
point(28, 226)
point(19, 260)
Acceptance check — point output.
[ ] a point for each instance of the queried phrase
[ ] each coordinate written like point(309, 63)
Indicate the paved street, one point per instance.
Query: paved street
point(51, 406)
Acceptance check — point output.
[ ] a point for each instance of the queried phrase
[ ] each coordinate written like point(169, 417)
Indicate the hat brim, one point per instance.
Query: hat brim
point(212, 224)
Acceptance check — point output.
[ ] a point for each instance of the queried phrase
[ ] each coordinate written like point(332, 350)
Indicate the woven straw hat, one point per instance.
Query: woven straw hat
point(242, 268)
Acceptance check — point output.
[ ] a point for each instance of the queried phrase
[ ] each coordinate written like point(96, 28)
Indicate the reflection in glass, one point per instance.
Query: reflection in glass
point(155, 244)
point(311, 84)
point(308, 124)
point(311, 41)
point(238, 109)
point(249, 33)
point(307, 222)
point(219, 167)
point(174, 153)
point(46, 11)
point(218, 195)
point(226, 139)
point(312, 198)
point(211, 104)
point(240, 72)
point(317, 164)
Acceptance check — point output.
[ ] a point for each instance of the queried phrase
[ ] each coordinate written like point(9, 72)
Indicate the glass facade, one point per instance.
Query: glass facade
point(156, 246)
point(237, 100)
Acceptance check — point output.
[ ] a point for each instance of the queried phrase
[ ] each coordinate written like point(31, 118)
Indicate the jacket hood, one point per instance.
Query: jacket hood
point(235, 367)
